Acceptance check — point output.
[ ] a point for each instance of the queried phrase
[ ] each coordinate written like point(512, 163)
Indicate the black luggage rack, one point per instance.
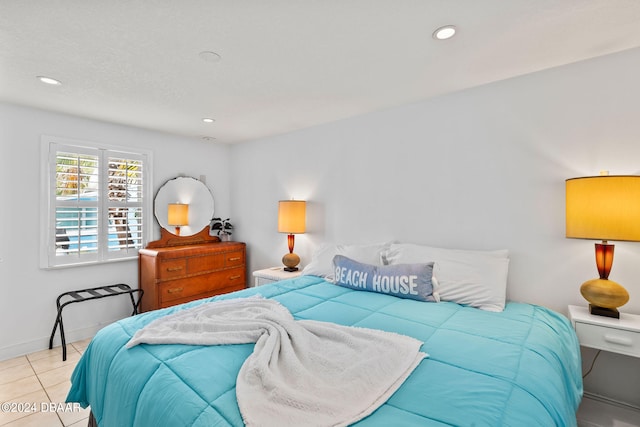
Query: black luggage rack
point(87, 295)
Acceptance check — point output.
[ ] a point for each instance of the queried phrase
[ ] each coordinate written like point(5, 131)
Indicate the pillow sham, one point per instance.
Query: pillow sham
point(322, 260)
point(474, 278)
point(411, 281)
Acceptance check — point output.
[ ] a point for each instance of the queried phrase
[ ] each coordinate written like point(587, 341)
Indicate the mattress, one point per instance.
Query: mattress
point(519, 367)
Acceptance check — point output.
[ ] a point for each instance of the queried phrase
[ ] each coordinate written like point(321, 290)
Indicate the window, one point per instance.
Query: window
point(96, 202)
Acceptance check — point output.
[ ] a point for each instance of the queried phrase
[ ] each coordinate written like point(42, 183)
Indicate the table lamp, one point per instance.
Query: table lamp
point(178, 216)
point(604, 207)
point(291, 220)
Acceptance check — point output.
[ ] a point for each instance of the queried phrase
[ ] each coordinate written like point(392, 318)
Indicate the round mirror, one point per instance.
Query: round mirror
point(192, 206)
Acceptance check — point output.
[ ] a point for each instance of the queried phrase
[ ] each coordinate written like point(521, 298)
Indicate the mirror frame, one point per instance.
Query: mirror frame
point(186, 190)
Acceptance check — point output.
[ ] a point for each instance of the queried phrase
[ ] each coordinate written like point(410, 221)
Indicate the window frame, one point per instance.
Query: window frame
point(50, 147)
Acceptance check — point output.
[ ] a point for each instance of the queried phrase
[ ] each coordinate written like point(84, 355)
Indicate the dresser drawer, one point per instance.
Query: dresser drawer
point(172, 268)
point(609, 338)
point(203, 284)
point(207, 294)
point(201, 264)
point(233, 259)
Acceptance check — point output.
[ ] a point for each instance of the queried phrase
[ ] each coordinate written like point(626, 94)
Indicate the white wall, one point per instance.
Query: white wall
point(482, 169)
point(28, 293)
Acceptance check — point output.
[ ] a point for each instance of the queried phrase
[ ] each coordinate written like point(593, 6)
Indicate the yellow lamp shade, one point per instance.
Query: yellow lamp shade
point(178, 214)
point(292, 216)
point(603, 207)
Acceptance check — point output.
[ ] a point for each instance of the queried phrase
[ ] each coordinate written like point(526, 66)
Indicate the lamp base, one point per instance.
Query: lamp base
point(604, 293)
point(604, 311)
point(290, 261)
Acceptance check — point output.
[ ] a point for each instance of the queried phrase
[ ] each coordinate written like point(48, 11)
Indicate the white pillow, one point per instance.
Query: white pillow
point(474, 278)
point(322, 260)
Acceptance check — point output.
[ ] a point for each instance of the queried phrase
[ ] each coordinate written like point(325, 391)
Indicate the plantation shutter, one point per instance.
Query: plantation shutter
point(124, 203)
point(77, 190)
point(97, 204)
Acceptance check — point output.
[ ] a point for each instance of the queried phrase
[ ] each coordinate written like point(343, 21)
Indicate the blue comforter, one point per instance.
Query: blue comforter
point(520, 367)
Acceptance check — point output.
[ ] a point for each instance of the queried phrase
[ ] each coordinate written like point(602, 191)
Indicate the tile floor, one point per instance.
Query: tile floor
point(39, 378)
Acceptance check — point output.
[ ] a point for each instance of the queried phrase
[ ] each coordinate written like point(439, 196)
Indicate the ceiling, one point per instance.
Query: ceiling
point(283, 64)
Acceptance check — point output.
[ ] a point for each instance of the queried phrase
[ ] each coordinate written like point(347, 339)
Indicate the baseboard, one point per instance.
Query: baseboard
point(42, 343)
point(610, 401)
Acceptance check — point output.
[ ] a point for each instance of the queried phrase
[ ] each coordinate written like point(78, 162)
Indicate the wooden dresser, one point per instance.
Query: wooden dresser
point(173, 275)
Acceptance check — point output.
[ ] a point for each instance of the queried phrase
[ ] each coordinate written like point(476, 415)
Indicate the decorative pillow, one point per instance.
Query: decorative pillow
point(322, 261)
point(474, 278)
point(412, 281)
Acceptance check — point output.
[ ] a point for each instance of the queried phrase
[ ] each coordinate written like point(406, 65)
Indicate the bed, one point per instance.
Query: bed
point(516, 367)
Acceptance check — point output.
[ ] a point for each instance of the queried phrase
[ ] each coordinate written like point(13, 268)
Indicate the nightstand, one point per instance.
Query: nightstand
point(615, 335)
point(273, 274)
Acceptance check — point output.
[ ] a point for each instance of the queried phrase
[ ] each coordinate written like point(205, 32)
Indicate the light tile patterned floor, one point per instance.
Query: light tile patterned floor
point(37, 379)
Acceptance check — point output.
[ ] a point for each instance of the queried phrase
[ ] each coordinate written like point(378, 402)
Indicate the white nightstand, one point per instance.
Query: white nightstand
point(273, 274)
point(615, 335)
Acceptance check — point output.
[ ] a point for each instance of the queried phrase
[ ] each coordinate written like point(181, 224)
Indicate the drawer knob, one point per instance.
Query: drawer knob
point(237, 258)
point(174, 268)
point(234, 277)
point(175, 290)
point(618, 340)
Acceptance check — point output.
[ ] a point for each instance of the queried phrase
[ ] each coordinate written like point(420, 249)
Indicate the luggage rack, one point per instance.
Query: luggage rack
point(87, 295)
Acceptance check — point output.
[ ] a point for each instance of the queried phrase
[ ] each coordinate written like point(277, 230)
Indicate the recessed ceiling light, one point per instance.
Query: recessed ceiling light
point(208, 120)
point(444, 33)
point(209, 56)
point(49, 80)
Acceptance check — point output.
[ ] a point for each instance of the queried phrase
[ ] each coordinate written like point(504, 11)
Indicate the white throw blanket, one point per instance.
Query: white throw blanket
point(301, 373)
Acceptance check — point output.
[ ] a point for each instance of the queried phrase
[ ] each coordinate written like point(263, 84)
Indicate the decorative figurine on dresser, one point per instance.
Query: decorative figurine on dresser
point(187, 263)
